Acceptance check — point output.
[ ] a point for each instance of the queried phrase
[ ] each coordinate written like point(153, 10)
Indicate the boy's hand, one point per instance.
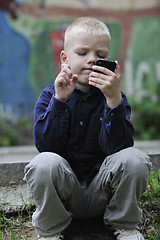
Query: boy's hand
point(65, 83)
point(109, 83)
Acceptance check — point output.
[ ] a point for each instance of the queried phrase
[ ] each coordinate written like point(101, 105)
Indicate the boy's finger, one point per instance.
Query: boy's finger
point(67, 70)
point(74, 78)
point(65, 65)
point(117, 71)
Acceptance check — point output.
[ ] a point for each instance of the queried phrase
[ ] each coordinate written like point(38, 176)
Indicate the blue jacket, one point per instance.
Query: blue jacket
point(84, 130)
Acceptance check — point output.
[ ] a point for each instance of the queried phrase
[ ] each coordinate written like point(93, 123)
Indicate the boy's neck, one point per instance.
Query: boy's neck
point(83, 88)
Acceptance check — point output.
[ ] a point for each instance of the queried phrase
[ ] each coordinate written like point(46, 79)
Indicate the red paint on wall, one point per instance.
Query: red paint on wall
point(57, 47)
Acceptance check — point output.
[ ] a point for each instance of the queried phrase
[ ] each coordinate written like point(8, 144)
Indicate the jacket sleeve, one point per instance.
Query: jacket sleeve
point(51, 123)
point(117, 130)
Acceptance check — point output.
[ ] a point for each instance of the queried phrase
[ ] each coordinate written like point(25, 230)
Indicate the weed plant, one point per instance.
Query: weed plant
point(12, 224)
point(152, 196)
point(150, 204)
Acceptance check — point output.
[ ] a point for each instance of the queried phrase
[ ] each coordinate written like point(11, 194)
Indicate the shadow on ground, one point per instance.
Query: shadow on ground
point(88, 230)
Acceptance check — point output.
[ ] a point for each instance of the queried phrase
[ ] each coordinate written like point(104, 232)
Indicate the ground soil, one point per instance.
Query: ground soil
point(94, 228)
point(80, 230)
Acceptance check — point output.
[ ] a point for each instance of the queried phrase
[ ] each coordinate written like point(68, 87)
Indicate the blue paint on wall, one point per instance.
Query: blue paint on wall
point(16, 96)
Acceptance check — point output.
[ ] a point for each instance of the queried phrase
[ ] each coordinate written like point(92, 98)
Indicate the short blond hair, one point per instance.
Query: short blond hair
point(88, 25)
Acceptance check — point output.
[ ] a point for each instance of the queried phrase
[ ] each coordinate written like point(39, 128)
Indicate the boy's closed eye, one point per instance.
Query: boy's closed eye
point(101, 56)
point(81, 53)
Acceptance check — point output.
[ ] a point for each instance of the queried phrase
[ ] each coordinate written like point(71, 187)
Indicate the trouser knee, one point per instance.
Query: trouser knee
point(135, 162)
point(130, 166)
point(136, 167)
point(44, 166)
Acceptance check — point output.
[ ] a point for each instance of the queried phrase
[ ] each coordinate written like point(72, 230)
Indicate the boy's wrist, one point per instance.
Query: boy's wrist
point(114, 102)
point(61, 98)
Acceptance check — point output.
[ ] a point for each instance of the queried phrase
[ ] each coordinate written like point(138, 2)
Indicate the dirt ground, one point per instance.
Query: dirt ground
point(92, 228)
point(78, 230)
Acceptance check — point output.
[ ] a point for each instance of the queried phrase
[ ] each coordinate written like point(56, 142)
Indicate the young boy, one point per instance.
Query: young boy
point(87, 166)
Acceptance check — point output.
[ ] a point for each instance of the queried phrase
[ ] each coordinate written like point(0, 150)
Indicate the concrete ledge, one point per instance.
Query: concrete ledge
point(14, 197)
point(12, 163)
point(155, 159)
point(13, 190)
point(12, 173)
point(14, 159)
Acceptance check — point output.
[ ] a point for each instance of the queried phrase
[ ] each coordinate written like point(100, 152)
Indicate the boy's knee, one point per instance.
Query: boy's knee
point(135, 162)
point(131, 161)
point(43, 166)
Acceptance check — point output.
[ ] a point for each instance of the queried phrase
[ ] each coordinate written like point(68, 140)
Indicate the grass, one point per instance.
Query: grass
point(17, 226)
point(150, 204)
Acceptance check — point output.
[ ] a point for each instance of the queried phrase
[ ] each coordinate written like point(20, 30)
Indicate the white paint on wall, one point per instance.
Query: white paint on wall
point(135, 86)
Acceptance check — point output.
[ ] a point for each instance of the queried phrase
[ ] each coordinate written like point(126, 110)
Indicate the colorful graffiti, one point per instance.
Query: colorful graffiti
point(42, 42)
point(29, 59)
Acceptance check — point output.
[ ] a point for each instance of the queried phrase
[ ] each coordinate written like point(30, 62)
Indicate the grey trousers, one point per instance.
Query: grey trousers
point(113, 193)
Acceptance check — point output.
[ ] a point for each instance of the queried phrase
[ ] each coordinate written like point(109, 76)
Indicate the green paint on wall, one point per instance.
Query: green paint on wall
point(144, 59)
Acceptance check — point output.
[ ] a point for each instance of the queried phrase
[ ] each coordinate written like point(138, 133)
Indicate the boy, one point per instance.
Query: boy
point(87, 166)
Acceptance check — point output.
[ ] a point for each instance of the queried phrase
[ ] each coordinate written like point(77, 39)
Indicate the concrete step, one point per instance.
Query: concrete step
point(12, 163)
point(152, 148)
point(13, 190)
point(14, 159)
point(15, 197)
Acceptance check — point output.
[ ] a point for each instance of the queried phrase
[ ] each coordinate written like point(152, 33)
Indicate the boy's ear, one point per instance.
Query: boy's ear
point(109, 58)
point(63, 57)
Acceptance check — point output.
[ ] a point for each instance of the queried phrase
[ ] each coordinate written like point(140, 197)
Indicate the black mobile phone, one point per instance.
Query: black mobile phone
point(111, 65)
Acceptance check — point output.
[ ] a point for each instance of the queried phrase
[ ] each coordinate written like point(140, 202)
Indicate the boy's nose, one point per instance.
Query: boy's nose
point(92, 59)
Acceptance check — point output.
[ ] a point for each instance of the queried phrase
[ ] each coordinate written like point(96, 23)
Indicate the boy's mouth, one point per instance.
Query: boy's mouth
point(88, 69)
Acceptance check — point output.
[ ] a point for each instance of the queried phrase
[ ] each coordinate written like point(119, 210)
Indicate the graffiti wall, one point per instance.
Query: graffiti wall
point(29, 58)
point(142, 66)
point(16, 95)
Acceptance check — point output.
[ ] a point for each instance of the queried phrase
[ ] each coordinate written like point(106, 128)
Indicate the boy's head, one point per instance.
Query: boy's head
point(89, 25)
point(86, 40)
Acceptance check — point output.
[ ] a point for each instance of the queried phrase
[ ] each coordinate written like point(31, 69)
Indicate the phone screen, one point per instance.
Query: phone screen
point(111, 65)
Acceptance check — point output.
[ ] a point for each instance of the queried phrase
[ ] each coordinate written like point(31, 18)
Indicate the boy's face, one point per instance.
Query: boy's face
point(81, 54)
